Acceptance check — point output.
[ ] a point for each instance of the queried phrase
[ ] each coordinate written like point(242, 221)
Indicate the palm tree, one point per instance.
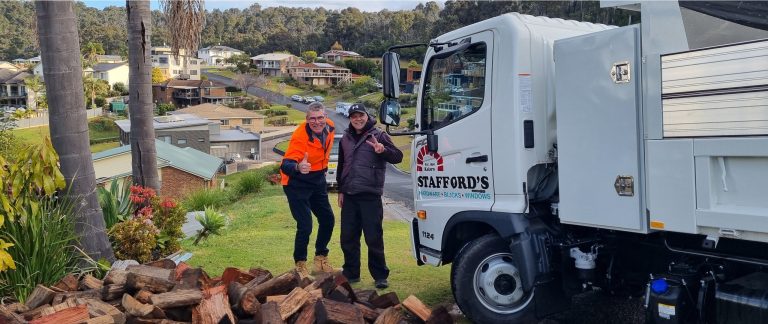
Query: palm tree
point(35, 86)
point(142, 138)
point(60, 49)
point(91, 52)
point(92, 86)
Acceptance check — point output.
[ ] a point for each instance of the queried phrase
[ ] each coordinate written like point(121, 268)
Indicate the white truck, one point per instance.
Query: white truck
point(579, 156)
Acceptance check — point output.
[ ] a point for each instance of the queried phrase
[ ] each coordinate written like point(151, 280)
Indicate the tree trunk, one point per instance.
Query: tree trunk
point(60, 51)
point(143, 153)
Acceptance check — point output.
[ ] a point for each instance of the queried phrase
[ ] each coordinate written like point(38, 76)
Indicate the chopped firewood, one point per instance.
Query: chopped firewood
point(416, 307)
point(270, 314)
point(276, 298)
point(341, 281)
point(144, 296)
point(293, 302)
point(235, 292)
point(111, 292)
point(180, 268)
point(177, 298)
point(105, 319)
point(40, 296)
point(366, 295)
point(90, 282)
point(72, 315)
point(390, 315)
point(162, 263)
point(9, 316)
point(134, 320)
point(282, 284)
point(369, 314)
point(63, 305)
point(123, 264)
point(116, 277)
point(259, 279)
point(235, 274)
point(213, 308)
point(316, 294)
point(193, 278)
point(135, 308)
point(99, 309)
point(16, 307)
point(330, 311)
point(340, 295)
point(259, 272)
point(35, 313)
point(249, 304)
point(323, 281)
point(58, 298)
point(68, 283)
point(386, 300)
point(439, 316)
point(179, 314)
point(305, 282)
point(150, 278)
point(307, 313)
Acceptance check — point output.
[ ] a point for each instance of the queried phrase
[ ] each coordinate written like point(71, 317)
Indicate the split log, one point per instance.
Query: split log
point(35, 313)
point(90, 282)
point(62, 306)
point(72, 315)
point(249, 304)
point(276, 298)
point(386, 300)
point(180, 268)
point(307, 313)
point(105, 312)
point(259, 272)
point(134, 320)
point(105, 319)
point(366, 295)
point(270, 314)
point(439, 316)
point(416, 307)
point(177, 298)
point(340, 295)
point(112, 292)
point(341, 281)
point(330, 311)
point(17, 308)
point(293, 302)
point(68, 283)
point(163, 264)
point(235, 292)
point(116, 277)
point(40, 296)
point(144, 296)
point(369, 314)
point(59, 298)
point(10, 317)
point(213, 308)
point(154, 284)
point(135, 308)
point(316, 295)
point(258, 279)
point(390, 315)
point(282, 284)
point(193, 278)
point(235, 274)
point(123, 264)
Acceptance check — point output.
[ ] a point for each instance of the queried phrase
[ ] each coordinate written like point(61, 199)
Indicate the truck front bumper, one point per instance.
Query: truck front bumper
point(422, 254)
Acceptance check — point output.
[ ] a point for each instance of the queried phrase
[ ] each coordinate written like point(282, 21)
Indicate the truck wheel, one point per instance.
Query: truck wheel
point(487, 285)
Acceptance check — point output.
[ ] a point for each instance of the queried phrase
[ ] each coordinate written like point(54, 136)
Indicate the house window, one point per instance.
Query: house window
point(192, 72)
point(163, 60)
point(165, 138)
point(102, 76)
point(181, 141)
point(201, 140)
point(246, 121)
point(225, 121)
point(192, 62)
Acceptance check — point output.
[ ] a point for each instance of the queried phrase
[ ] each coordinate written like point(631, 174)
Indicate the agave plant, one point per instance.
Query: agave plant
point(212, 222)
point(115, 203)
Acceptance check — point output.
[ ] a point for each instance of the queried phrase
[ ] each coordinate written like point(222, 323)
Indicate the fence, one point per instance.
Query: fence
point(42, 118)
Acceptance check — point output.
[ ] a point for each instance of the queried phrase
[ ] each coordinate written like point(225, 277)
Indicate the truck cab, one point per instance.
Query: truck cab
point(552, 157)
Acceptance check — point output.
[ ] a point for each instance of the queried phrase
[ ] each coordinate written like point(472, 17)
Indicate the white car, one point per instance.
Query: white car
point(343, 108)
point(333, 162)
point(309, 100)
point(296, 98)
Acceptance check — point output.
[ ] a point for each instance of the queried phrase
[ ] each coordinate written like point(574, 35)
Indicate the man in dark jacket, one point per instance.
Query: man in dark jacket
point(364, 152)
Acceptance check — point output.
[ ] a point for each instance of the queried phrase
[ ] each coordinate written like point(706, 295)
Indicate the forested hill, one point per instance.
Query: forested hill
point(259, 30)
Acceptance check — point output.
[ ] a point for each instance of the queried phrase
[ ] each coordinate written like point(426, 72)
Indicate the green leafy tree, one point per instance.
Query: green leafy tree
point(36, 89)
point(309, 56)
point(242, 62)
point(121, 88)
point(362, 86)
point(94, 87)
point(157, 75)
point(91, 52)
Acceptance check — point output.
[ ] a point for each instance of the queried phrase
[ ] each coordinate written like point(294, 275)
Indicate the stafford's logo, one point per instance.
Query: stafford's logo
point(428, 161)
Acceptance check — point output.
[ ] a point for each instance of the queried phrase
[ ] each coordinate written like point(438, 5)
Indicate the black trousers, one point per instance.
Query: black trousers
point(303, 202)
point(363, 214)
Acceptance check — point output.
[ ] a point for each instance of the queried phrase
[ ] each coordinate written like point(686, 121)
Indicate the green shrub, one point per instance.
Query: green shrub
point(115, 203)
point(168, 217)
point(249, 183)
point(121, 88)
point(232, 89)
point(102, 124)
point(200, 199)
point(105, 140)
point(100, 102)
point(134, 239)
point(212, 222)
point(164, 108)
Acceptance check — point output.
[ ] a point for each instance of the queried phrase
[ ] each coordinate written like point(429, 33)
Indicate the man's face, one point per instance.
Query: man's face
point(316, 121)
point(358, 120)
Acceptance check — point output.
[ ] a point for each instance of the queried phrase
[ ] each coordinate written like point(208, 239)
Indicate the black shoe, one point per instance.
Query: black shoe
point(353, 280)
point(382, 284)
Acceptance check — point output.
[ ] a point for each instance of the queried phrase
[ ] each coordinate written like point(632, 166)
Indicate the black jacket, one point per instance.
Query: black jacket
point(361, 170)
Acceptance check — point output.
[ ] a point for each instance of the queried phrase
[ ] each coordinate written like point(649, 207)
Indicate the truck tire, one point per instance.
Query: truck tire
point(486, 284)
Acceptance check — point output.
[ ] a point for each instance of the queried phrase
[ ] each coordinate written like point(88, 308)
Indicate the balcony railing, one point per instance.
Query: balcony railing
point(321, 75)
point(180, 94)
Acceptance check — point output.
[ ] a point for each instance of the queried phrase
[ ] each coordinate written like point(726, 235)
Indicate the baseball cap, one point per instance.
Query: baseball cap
point(358, 107)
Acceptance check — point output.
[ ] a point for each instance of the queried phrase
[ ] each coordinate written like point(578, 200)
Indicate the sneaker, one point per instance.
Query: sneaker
point(382, 284)
point(301, 268)
point(322, 265)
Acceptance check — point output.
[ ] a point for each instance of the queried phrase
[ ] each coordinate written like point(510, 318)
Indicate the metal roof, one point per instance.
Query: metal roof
point(233, 135)
point(166, 122)
point(186, 159)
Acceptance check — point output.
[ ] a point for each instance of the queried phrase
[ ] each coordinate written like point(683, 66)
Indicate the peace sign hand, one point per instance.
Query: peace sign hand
point(377, 147)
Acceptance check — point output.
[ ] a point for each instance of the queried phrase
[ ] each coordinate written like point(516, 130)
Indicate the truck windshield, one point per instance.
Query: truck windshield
point(454, 87)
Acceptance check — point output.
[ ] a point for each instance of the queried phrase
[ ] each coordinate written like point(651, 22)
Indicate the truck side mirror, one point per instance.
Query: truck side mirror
point(389, 112)
point(391, 74)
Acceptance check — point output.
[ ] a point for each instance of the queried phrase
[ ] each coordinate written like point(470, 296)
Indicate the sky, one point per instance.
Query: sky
point(364, 5)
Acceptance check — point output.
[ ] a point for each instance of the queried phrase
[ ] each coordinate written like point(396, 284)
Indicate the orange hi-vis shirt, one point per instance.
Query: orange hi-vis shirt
point(304, 141)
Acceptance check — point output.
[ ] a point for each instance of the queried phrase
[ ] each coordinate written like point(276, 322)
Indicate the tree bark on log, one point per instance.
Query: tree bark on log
point(282, 284)
point(72, 315)
point(68, 283)
point(40, 296)
point(293, 302)
point(90, 282)
point(439, 316)
point(135, 308)
point(177, 298)
point(330, 311)
point(386, 301)
point(213, 308)
point(116, 277)
point(270, 314)
point(111, 292)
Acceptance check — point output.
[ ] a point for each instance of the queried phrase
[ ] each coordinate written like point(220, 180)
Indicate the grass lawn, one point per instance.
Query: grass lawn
point(288, 91)
point(404, 143)
point(261, 234)
point(222, 72)
point(283, 146)
point(294, 116)
point(103, 146)
point(35, 135)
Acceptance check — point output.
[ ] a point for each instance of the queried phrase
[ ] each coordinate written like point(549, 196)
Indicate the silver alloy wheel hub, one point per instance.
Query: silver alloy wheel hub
point(498, 286)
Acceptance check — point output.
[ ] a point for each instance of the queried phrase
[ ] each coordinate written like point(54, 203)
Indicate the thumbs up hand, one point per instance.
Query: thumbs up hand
point(377, 147)
point(304, 165)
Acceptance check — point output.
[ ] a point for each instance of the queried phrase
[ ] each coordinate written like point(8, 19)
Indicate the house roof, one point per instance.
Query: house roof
point(342, 53)
point(189, 84)
point(13, 76)
point(167, 122)
point(109, 58)
point(103, 67)
point(214, 111)
point(8, 65)
point(186, 159)
point(318, 66)
point(234, 135)
point(273, 56)
point(221, 48)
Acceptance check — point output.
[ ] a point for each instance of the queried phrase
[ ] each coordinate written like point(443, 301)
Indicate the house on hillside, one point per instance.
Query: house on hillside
point(29, 61)
point(275, 64)
point(186, 130)
point(185, 93)
point(217, 55)
point(13, 91)
point(181, 170)
point(320, 74)
point(110, 72)
point(230, 118)
point(109, 59)
point(8, 65)
point(333, 56)
point(410, 78)
point(182, 67)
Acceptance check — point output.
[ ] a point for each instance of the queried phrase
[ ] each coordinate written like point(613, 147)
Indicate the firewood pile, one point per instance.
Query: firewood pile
point(164, 293)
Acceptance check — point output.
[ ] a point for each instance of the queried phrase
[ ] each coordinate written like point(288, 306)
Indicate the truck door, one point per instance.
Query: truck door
point(456, 106)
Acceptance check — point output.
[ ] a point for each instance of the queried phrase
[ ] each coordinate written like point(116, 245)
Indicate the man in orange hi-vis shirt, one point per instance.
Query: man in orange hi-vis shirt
point(303, 177)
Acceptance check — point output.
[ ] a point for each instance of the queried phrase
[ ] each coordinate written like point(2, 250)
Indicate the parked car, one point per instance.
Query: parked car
point(319, 98)
point(333, 163)
point(297, 98)
point(343, 108)
point(309, 100)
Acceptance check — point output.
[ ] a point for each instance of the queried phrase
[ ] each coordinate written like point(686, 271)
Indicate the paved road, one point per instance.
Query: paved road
point(398, 185)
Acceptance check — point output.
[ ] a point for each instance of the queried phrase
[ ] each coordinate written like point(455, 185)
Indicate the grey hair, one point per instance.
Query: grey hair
point(315, 106)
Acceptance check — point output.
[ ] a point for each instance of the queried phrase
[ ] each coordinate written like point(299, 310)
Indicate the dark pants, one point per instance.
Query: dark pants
point(363, 214)
point(303, 202)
